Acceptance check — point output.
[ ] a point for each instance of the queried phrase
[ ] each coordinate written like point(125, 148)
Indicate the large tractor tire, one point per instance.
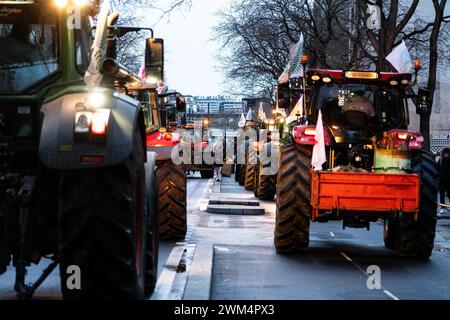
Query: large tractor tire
point(293, 201)
point(152, 238)
point(416, 238)
point(240, 172)
point(256, 179)
point(265, 175)
point(102, 229)
point(267, 185)
point(171, 201)
point(391, 229)
point(207, 174)
point(250, 167)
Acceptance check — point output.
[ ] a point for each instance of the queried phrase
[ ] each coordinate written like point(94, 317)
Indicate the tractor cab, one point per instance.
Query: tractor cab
point(358, 105)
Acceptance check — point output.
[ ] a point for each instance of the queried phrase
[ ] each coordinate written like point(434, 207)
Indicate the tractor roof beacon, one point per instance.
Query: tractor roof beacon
point(76, 183)
point(375, 167)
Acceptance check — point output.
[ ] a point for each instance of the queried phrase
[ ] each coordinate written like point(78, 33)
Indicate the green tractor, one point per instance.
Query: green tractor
point(77, 184)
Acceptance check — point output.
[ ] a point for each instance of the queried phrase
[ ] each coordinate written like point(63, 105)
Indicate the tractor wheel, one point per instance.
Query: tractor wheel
point(256, 179)
point(390, 232)
point(207, 174)
point(102, 230)
point(171, 201)
point(241, 174)
point(293, 199)
point(264, 185)
point(152, 239)
point(416, 238)
point(250, 166)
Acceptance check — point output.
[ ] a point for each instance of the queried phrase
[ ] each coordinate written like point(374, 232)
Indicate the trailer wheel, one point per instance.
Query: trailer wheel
point(416, 238)
point(171, 201)
point(293, 199)
point(207, 174)
point(102, 229)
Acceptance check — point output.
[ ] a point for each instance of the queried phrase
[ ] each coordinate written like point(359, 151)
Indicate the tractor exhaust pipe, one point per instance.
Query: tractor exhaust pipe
point(114, 69)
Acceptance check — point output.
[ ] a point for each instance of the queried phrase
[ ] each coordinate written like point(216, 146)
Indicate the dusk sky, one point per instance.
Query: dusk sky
point(190, 53)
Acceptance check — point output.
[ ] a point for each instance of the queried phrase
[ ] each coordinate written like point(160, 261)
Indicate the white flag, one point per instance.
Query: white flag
point(93, 77)
point(401, 59)
point(241, 122)
point(296, 53)
point(260, 110)
point(319, 156)
point(263, 118)
point(249, 115)
point(285, 75)
point(298, 110)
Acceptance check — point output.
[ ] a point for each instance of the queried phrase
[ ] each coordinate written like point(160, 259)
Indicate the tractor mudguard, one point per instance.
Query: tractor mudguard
point(58, 149)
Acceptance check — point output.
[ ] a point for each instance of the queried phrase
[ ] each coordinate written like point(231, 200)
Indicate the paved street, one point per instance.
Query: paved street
point(246, 266)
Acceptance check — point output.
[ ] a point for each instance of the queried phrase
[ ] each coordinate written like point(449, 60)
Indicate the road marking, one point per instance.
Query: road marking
point(346, 257)
point(332, 234)
point(393, 297)
point(386, 292)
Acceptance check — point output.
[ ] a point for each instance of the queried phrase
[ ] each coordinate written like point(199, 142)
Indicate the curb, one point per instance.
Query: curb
point(198, 286)
point(237, 210)
point(250, 203)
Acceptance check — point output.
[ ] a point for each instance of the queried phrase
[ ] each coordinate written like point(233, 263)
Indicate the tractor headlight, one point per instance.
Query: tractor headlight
point(61, 3)
point(96, 99)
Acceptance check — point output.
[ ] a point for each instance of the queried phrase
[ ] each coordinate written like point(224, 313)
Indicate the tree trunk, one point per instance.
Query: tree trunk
point(432, 72)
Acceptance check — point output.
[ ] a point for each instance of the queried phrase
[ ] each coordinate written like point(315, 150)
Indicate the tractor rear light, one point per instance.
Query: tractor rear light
point(306, 135)
point(310, 132)
point(406, 139)
point(415, 143)
point(93, 122)
point(92, 159)
point(402, 135)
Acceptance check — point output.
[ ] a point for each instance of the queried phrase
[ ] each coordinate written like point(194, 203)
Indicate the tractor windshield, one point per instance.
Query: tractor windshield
point(362, 106)
point(28, 47)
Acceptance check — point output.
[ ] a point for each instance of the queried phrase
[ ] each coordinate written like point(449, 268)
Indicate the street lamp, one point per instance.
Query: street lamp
point(304, 61)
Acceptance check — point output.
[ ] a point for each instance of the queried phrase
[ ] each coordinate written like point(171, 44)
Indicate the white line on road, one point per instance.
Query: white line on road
point(346, 257)
point(386, 292)
point(393, 297)
point(332, 234)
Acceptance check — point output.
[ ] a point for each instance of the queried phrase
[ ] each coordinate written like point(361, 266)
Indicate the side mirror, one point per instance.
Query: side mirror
point(154, 61)
point(423, 101)
point(181, 104)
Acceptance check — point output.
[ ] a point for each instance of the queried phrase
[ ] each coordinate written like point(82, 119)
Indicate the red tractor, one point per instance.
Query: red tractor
point(375, 167)
point(198, 140)
point(168, 112)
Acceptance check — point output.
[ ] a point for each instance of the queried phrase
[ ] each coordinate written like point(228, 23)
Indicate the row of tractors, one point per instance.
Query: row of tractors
point(86, 176)
point(374, 167)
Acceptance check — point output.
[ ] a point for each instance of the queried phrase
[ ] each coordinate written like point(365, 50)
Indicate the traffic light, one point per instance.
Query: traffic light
point(423, 101)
